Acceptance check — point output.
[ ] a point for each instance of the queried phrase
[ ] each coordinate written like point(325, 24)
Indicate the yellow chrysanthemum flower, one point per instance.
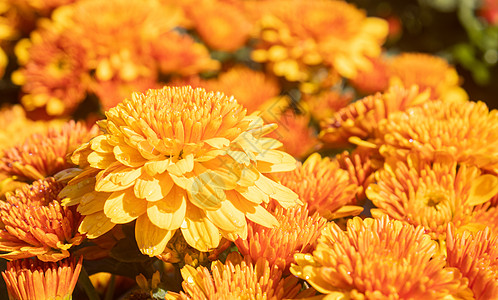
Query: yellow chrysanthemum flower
point(33, 279)
point(178, 158)
point(431, 194)
point(297, 35)
point(476, 256)
point(378, 259)
point(466, 130)
point(429, 72)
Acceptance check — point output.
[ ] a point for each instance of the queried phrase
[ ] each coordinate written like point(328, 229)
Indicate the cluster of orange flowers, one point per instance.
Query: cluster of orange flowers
point(238, 149)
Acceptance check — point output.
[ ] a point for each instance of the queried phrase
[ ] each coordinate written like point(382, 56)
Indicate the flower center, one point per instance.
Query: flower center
point(433, 199)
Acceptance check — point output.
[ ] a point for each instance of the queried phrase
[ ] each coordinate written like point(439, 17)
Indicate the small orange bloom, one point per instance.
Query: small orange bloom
point(466, 130)
point(35, 224)
point(476, 256)
point(373, 80)
point(34, 279)
point(378, 259)
point(43, 155)
point(297, 233)
point(323, 186)
point(357, 123)
point(431, 194)
point(325, 104)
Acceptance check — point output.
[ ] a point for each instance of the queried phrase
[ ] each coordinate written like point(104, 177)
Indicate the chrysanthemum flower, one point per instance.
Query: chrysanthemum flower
point(378, 259)
point(178, 158)
point(221, 24)
point(299, 34)
point(325, 104)
point(54, 71)
point(35, 224)
point(486, 217)
point(33, 279)
point(467, 131)
point(297, 233)
point(251, 88)
point(429, 73)
point(324, 186)
point(360, 166)
point(476, 256)
point(43, 155)
point(239, 280)
point(431, 194)
point(374, 80)
point(359, 121)
point(298, 138)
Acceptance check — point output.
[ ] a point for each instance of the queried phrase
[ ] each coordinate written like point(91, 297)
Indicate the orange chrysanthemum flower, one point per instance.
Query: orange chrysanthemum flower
point(178, 158)
point(429, 73)
point(33, 279)
point(54, 72)
point(325, 104)
point(358, 122)
point(299, 34)
point(476, 256)
point(324, 186)
point(295, 134)
point(238, 279)
point(467, 131)
point(35, 224)
point(486, 216)
point(43, 155)
point(221, 24)
point(378, 259)
point(297, 233)
point(360, 166)
point(373, 80)
point(431, 194)
point(252, 89)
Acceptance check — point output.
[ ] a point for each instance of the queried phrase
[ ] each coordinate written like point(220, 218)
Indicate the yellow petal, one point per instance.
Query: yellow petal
point(227, 217)
point(156, 167)
point(206, 194)
point(123, 207)
point(248, 176)
point(92, 202)
point(253, 211)
point(116, 178)
point(285, 196)
point(253, 194)
point(483, 188)
point(100, 160)
point(218, 143)
point(151, 240)
point(270, 161)
point(128, 156)
point(182, 166)
point(169, 213)
point(198, 231)
point(100, 144)
point(153, 188)
point(95, 225)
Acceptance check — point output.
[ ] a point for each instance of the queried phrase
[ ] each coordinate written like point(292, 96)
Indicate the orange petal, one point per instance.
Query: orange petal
point(95, 225)
point(169, 213)
point(182, 166)
point(92, 202)
point(128, 156)
point(228, 217)
point(116, 178)
point(153, 188)
point(151, 240)
point(204, 194)
point(483, 188)
point(123, 207)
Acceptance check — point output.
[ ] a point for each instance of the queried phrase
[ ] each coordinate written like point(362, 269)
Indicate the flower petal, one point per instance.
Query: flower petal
point(92, 202)
point(204, 194)
point(151, 240)
point(482, 189)
point(123, 207)
point(95, 225)
point(198, 231)
point(182, 166)
point(128, 156)
point(228, 217)
point(153, 188)
point(117, 177)
point(169, 213)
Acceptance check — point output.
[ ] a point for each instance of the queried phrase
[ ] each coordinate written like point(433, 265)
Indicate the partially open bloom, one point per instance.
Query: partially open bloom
point(374, 80)
point(358, 122)
point(297, 233)
point(467, 131)
point(43, 155)
point(239, 280)
point(476, 256)
point(378, 259)
point(35, 224)
point(323, 186)
point(431, 194)
point(429, 72)
point(486, 217)
point(34, 279)
point(178, 158)
point(325, 104)
point(298, 138)
point(299, 34)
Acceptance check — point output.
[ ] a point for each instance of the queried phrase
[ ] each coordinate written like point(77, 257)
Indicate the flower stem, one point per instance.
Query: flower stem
point(85, 283)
